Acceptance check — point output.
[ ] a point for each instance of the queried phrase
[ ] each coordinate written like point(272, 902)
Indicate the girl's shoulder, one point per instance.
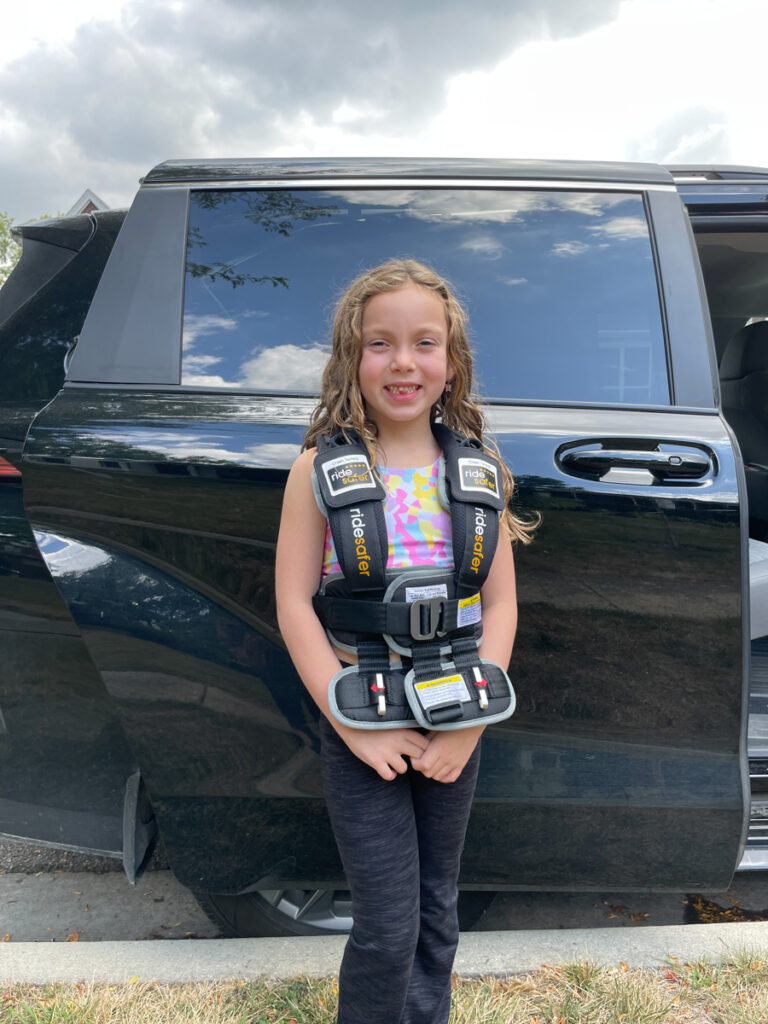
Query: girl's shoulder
point(299, 491)
point(300, 475)
point(304, 462)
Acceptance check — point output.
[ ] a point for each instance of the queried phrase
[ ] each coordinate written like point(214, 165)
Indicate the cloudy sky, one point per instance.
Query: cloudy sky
point(95, 92)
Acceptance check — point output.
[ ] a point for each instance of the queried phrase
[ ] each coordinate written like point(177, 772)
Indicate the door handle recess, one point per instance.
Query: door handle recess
point(675, 463)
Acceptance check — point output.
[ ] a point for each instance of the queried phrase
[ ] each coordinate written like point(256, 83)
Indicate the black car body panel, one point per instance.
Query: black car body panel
point(154, 483)
point(64, 754)
point(616, 740)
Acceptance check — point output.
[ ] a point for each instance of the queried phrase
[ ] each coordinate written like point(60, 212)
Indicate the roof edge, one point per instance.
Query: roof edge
point(187, 171)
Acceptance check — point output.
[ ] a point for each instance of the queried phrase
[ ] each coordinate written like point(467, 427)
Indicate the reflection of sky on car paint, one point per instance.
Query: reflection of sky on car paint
point(564, 278)
point(65, 556)
point(193, 446)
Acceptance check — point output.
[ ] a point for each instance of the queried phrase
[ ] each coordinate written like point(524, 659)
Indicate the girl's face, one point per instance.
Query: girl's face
point(404, 364)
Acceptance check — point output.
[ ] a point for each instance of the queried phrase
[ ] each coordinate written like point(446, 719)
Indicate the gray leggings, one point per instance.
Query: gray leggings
point(400, 844)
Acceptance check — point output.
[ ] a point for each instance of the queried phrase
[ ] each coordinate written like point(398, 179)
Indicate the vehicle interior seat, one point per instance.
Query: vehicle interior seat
point(758, 588)
point(744, 389)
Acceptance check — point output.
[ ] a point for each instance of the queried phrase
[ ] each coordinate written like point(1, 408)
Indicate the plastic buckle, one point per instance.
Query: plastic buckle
point(379, 689)
point(433, 606)
point(482, 687)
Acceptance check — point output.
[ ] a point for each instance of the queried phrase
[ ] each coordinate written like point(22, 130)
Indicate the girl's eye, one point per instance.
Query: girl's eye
point(427, 341)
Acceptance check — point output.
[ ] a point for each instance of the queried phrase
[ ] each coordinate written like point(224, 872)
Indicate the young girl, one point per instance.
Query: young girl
point(399, 799)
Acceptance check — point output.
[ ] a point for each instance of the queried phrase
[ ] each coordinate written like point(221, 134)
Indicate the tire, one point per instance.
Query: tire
point(304, 911)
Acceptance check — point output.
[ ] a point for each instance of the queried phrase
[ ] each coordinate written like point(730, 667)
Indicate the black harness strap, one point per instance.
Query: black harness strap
point(423, 619)
point(476, 494)
point(353, 499)
point(440, 632)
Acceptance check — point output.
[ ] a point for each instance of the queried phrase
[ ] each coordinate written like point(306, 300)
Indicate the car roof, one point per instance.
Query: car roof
point(188, 171)
point(708, 173)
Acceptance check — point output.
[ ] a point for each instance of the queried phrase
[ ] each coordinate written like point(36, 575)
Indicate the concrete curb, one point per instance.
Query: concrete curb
point(500, 953)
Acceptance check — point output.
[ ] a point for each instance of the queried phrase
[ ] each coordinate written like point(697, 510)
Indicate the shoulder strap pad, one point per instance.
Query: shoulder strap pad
point(471, 473)
point(354, 505)
point(343, 472)
point(473, 486)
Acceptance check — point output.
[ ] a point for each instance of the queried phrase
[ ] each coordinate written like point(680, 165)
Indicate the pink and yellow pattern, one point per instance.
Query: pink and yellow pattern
point(418, 527)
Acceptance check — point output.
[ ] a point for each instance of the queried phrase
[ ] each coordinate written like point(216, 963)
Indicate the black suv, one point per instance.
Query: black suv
point(150, 689)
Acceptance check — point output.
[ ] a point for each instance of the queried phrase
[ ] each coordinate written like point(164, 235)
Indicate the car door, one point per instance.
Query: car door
point(727, 209)
point(68, 777)
point(154, 483)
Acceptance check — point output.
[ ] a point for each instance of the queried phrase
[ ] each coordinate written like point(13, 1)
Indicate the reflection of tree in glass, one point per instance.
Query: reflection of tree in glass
point(275, 211)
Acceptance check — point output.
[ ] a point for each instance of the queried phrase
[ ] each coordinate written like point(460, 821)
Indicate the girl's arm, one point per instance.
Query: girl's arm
point(448, 752)
point(297, 573)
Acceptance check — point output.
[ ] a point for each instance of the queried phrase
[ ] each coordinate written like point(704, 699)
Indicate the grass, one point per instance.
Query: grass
point(732, 992)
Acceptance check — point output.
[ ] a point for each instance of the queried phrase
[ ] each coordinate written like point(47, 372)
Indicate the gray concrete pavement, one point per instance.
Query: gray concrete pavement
point(63, 906)
point(500, 953)
point(63, 924)
point(60, 905)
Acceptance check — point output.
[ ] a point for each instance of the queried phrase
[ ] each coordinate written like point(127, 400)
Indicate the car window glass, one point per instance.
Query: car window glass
point(560, 285)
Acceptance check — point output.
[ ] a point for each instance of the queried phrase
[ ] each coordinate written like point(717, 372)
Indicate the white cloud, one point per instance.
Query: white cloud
point(568, 249)
point(622, 228)
point(94, 92)
point(198, 326)
point(286, 368)
point(486, 246)
point(200, 362)
point(206, 380)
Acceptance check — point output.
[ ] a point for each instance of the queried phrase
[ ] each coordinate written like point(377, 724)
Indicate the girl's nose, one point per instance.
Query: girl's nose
point(402, 357)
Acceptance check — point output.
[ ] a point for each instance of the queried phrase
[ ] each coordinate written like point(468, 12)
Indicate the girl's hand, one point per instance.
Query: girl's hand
point(384, 749)
point(447, 753)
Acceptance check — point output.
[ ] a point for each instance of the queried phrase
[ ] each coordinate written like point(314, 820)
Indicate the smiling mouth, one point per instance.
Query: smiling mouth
point(403, 389)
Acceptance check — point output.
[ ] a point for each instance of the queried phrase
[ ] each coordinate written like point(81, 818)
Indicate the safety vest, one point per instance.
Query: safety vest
point(431, 617)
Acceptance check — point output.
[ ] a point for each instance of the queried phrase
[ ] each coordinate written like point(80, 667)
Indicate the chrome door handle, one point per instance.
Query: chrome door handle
point(676, 462)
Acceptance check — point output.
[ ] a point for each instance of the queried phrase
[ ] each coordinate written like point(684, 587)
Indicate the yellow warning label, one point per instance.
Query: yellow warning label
point(470, 611)
point(439, 682)
point(442, 690)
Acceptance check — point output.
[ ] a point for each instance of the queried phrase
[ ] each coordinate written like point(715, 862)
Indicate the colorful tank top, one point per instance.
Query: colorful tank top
point(418, 527)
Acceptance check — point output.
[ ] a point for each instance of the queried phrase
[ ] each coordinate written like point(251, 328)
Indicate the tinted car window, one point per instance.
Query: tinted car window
point(560, 285)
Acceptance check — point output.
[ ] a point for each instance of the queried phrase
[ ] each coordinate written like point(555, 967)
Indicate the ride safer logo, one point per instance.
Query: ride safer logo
point(478, 552)
point(479, 475)
point(348, 473)
point(357, 522)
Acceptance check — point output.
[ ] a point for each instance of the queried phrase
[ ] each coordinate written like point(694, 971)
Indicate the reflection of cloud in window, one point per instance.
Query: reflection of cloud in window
point(200, 362)
point(198, 326)
point(439, 205)
point(489, 205)
point(591, 204)
point(622, 228)
point(484, 245)
point(568, 249)
point(206, 380)
point(285, 368)
point(389, 198)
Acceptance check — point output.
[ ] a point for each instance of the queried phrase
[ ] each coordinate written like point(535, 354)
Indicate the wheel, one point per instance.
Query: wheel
point(279, 912)
point(304, 911)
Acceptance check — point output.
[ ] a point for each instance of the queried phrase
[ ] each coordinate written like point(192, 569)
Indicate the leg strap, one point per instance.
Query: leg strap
point(371, 694)
point(458, 693)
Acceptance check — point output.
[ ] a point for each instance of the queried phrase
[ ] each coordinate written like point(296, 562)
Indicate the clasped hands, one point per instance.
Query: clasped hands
point(438, 755)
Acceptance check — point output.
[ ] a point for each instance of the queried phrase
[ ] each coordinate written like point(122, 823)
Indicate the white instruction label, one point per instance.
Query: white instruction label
point(441, 691)
point(424, 593)
point(470, 611)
